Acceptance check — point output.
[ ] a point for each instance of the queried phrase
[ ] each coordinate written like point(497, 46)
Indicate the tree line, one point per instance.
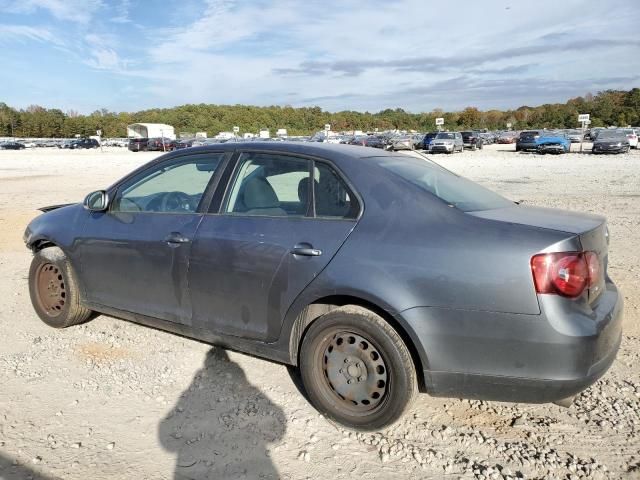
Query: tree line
point(610, 107)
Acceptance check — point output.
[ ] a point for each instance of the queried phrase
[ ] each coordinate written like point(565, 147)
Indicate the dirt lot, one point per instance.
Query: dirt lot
point(110, 399)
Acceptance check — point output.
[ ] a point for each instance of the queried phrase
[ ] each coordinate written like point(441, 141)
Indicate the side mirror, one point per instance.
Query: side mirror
point(97, 201)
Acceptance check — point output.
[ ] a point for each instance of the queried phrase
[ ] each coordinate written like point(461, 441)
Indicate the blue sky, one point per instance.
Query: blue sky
point(127, 55)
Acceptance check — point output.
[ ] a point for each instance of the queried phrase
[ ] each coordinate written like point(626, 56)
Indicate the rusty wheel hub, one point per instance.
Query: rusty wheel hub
point(355, 371)
point(51, 289)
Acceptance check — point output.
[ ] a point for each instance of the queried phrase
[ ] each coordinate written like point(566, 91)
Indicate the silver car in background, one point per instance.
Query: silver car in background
point(447, 142)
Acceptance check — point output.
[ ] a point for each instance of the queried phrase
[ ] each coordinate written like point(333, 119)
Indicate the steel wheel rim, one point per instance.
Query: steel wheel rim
point(51, 289)
point(354, 372)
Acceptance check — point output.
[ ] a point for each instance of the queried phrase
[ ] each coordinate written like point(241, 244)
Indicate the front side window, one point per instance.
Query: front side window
point(173, 187)
point(272, 185)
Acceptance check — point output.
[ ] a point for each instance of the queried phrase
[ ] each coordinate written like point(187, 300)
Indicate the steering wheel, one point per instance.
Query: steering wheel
point(175, 201)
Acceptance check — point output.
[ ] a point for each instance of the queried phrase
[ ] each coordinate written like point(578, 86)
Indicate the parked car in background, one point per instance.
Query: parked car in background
point(632, 136)
point(528, 140)
point(447, 142)
point(438, 284)
point(488, 138)
point(507, 137)
point(611, 141)
point(115, 142)
point(593, 133)
point(401, 143)
point(575, 136)
point(160, 145)
point(553, 142)
point(472, 140)
point(83, 143)
point(138, 144)
point(12, 146)
point(185, 143)
point(428, 138)
point(368, 141)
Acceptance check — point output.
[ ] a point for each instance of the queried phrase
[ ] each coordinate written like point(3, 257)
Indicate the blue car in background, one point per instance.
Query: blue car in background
point(428, 138)
point(543, 141)
point(553, 142)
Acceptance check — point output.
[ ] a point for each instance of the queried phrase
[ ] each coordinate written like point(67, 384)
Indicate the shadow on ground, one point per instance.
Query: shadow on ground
point(14, 471)
point(222, 425)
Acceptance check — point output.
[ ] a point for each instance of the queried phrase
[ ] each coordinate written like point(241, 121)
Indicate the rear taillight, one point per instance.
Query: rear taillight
point(566, 273)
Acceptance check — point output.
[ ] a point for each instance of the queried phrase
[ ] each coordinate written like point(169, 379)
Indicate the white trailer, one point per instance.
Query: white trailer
point(150, 130)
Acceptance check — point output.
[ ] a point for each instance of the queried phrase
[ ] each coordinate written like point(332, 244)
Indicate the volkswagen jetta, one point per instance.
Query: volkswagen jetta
point(377, 274)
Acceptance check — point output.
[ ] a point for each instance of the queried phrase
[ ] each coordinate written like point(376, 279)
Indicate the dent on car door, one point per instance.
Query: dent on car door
point(268, 240)
point(134, 257)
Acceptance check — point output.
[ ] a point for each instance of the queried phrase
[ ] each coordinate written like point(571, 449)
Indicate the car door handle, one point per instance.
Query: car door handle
point(176, 238)
point(306, 250)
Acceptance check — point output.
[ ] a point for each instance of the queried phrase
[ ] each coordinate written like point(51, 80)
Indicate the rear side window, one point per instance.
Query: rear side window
point(332, 197)
point(450, 188)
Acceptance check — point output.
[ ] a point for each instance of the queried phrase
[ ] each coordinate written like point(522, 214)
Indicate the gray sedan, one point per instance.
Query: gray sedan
point(377, 275)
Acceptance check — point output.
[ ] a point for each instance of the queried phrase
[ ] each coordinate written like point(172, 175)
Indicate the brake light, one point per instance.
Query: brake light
point(566, 273)
point(593, 264)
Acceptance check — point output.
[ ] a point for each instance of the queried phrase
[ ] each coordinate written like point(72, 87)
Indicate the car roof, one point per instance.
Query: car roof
point(330, 151)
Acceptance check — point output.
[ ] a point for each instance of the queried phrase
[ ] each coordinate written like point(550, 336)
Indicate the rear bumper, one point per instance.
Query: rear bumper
point(516, 358)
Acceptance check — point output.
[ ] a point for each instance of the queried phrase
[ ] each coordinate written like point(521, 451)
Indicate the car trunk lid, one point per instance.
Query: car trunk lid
point(591, 231)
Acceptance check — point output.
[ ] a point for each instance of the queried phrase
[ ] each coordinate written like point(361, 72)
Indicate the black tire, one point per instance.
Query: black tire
point(370, 355)
point(58, 304)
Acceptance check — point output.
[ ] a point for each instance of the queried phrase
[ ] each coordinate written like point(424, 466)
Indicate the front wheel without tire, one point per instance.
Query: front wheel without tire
point(356, 369)
point(53, 289)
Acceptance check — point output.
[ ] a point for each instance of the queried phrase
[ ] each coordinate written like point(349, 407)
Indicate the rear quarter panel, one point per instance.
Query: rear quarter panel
point(410, 249)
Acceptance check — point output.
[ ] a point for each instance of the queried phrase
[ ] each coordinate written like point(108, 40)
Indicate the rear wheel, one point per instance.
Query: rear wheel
point(356, 369)
point(53, 289)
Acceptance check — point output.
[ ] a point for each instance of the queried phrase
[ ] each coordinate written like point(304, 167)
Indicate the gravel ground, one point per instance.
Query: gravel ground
point(110, 399)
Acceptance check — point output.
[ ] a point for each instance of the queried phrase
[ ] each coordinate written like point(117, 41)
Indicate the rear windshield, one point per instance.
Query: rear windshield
point(447, 186)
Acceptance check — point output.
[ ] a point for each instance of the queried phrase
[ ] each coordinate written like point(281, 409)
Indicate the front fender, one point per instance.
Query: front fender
point(60, 227)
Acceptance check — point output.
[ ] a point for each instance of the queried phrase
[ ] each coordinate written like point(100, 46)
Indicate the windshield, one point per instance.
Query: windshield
point(447, 186)
point(449, 136)
point(610, 135)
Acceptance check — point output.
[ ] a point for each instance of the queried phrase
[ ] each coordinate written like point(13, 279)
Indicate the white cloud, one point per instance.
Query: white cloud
point(348, 55)
point(121, 15)
point(80, 11)
point(101, 49)
point(9, 33)
point(344, 54)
